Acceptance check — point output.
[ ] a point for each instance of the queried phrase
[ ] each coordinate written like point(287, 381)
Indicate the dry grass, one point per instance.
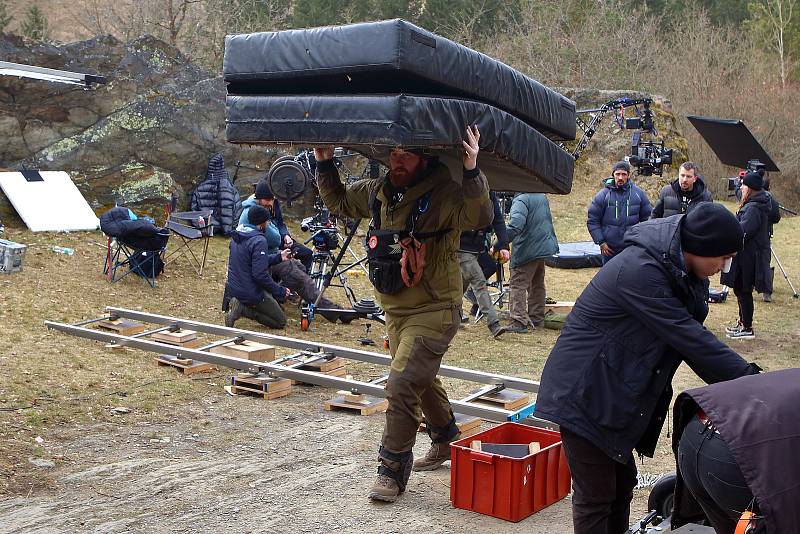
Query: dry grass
point(51, 381)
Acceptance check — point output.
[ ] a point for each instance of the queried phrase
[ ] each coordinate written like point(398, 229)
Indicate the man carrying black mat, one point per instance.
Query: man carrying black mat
point(607, 381)
point(418, 213)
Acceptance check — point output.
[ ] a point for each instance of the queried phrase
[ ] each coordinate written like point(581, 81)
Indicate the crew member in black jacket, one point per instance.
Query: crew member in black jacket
point(684, 193)
point(607, 381)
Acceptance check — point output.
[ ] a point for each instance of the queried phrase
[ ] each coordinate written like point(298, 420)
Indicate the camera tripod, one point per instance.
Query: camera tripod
point(783, 271)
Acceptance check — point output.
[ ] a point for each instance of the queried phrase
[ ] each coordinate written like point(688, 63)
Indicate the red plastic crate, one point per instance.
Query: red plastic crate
point(505, 487)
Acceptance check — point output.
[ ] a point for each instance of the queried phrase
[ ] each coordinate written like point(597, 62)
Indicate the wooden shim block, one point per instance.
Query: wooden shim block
point(470, 432)
point(181, 337)
point(369, 406)
point(351, 397)
point(187, 369)
point(465, 424)
point(123, 327)
point(264, 384)
point(559, 307)
point(325, 366)
point(509, 399)
point(239, 390)
point(534, 447)
point(475, 445)
point(248, 350)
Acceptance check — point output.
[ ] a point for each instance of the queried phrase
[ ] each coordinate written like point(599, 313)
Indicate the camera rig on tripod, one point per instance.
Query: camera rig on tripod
point(648, 154)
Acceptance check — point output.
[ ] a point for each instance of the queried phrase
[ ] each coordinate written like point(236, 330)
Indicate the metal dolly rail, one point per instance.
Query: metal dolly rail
point(307, 351)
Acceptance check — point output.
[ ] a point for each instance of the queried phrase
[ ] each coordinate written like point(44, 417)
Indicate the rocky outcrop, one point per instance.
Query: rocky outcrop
point(146, 134)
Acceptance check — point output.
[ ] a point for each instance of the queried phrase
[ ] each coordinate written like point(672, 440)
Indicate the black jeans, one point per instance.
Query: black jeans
point(712, 475)
point(602, 488)
point(746, 306)
point(303, 254)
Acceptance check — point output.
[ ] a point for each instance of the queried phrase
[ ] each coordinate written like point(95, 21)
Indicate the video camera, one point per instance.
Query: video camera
point(324, 235)
point(735, 182)
point(647, 156)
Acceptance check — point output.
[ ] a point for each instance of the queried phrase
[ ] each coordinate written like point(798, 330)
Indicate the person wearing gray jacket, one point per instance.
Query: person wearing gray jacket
point(530, 230)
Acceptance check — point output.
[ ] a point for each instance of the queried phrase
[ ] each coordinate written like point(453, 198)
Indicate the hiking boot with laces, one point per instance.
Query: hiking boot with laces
point(438, 454)
point(733, 329)
point(497, 329)
point(235, 309)
point(742, 333)
point(384, 489)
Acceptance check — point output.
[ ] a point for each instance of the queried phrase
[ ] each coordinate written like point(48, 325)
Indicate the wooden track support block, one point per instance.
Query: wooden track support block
point(370, 405)
point(248, 350)
point(184, 365)
point(507, 398)
point(265, 386)
point(559, 307)
point(325, 366)
point(468, 425)
point(181, 338)
point(351, 397)
point(123, 327)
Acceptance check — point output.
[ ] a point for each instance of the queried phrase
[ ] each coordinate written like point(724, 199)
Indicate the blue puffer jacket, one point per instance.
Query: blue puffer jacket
point(276, 218)
point(530, 229)
point(608, 377)
point(248, 267)
point(615, 209)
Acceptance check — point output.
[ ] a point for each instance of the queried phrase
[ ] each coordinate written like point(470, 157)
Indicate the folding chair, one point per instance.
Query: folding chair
point(191, 226)
point(143, 257)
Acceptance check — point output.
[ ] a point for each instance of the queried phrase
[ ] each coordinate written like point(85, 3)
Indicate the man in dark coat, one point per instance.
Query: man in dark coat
point(614, 209)
point(742, 435)
point(607, 381)
point(686, 192)
point(217, 193)
point(254, 294)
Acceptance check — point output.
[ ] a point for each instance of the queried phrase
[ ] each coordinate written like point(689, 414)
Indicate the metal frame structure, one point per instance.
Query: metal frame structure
point(284, 367)
point(50, 75)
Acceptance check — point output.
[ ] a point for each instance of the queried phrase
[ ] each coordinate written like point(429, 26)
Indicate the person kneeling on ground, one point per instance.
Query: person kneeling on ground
point(254, 294)
point(607, 381)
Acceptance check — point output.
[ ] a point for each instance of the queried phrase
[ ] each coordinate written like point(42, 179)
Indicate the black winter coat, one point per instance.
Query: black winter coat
point(475, 240)
point(248, 268)
point(750, 267)
point(217, 193)
point(673, 201)
point(608, 377)
point(757, 416)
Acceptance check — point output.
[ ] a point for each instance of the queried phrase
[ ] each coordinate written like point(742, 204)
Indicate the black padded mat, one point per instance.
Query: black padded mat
point(514, 156)
point(389, 57)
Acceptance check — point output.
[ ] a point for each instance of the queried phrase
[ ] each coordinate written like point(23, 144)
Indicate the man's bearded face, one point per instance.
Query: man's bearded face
point(404, 167)
point(686, 178)
point(620, 177)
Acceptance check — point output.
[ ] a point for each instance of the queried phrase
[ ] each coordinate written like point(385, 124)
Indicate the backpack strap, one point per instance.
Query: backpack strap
point(375, 208)
point(421, 207)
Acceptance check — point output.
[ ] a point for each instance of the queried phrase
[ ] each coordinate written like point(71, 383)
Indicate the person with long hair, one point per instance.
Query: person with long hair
point(750, 267)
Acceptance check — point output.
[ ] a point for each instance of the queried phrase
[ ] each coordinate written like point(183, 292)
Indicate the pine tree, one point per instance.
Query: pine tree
point(35, 25)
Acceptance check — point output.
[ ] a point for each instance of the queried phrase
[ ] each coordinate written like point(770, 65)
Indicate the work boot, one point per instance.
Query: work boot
point(439, 452)
point(517, 328)
point(497, 329)
point(393, 473)
point(767, 297)
point(235, 309)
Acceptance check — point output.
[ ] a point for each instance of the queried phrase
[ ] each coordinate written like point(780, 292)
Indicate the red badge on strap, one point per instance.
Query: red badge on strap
point(373, 242)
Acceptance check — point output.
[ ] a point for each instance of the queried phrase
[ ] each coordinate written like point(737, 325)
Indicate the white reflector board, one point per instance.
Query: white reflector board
point(48, 201)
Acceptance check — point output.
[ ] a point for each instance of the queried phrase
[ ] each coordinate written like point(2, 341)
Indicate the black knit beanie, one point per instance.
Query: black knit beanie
point(754, 181)
point(621, 166)
point(257, 215)
point(710, 230)
point(263, 190)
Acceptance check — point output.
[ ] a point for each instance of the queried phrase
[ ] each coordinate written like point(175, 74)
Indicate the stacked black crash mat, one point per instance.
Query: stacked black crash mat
point(576, 255)
point(374, 86)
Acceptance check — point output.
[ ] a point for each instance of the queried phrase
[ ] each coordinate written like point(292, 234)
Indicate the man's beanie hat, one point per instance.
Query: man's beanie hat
point(621, 166)
point(753, 180)
point(257, 215)
point(710, 230)
point(263, 190)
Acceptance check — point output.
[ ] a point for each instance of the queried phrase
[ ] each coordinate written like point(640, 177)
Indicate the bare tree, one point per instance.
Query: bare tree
point(172, 18)
point(777, 14)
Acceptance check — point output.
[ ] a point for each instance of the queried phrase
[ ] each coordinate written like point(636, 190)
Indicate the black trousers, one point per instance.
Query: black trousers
point(746, 306)
point(303, 254)
point(602, 489)
point(712, 475)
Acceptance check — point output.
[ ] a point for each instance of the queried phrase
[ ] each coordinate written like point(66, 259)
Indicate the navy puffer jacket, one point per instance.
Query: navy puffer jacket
point(248, 267)
point(615, 209)
point(608, 377)
point(217, 193)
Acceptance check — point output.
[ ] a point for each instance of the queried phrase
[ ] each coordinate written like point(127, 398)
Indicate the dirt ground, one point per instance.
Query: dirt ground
point(188, 457)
